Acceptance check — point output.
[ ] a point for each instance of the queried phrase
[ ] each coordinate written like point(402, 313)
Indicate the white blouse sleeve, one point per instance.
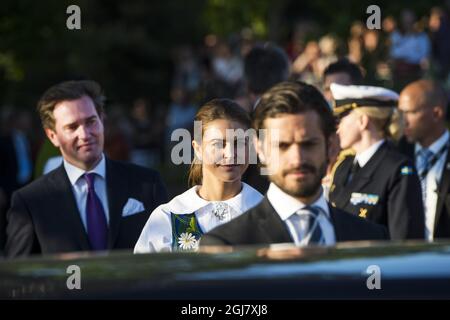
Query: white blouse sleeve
point(157, 233)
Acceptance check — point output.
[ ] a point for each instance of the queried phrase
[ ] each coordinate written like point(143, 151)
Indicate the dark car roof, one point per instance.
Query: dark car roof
point(407, 270)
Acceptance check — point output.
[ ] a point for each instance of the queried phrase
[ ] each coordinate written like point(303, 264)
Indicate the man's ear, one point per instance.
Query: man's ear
point(258, 143)
point(438, 113)
point(197, 150)
point(51, 134)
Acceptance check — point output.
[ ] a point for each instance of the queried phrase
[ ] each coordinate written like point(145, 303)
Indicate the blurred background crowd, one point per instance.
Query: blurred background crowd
point(158, 62)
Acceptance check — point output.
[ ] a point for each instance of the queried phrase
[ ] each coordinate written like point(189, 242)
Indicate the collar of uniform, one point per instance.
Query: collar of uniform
point(190, 201)
point(74, 173)
point(435, 146)
point(365, 156)
point(286, 205)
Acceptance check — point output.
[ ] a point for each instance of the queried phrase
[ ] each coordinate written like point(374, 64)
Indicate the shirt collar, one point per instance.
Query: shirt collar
point(436, 145)
point(190, 201)
point(286, 205)
point(365, 156)
point(74, 173)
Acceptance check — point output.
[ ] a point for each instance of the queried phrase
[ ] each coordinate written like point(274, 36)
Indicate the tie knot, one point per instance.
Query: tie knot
point(90, 178)
point(355, 166)
point(424, 157)
point(308, 211)
point(426, 153)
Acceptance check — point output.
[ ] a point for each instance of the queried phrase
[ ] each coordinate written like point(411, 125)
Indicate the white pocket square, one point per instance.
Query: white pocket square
point(132, 206)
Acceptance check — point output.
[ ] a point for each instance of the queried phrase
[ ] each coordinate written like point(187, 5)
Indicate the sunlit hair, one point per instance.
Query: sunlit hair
point(294, 97)
point(68, 91)
point(386, 120)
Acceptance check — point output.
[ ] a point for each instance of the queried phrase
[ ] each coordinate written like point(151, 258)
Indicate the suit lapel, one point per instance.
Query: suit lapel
point(64, 203)
point(443, 190)
point(339, 229)
point(407, 148)
point(116, 186)
point(271, 225)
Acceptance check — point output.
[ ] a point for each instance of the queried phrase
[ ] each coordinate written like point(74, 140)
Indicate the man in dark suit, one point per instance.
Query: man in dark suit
point(89, 202)
point(8, 182)
point(294, 148)
point(426, 141)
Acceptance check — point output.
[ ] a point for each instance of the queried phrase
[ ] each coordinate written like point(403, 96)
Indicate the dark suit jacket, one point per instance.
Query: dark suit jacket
point(391, 177)
point(44, 218)
point(262, 225)
point(8, 181)
point(442, 219)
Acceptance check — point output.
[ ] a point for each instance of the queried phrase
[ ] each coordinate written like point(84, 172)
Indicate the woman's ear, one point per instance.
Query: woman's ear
point(197, 150)
point(363, 121)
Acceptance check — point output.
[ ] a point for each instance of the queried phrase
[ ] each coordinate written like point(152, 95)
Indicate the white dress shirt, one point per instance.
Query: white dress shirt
point(80, 187)
point(433, 180)
point(287, 206)
point(366, 155)
point(157, 233)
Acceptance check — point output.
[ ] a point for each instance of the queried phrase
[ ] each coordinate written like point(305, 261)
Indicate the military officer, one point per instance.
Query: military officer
point(377, 182)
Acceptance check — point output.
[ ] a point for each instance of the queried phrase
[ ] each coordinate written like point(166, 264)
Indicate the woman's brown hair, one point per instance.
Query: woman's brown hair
point(216, 109)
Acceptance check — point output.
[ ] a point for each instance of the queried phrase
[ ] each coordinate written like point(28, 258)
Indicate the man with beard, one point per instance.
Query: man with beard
point(89, 203)
point(294, 148)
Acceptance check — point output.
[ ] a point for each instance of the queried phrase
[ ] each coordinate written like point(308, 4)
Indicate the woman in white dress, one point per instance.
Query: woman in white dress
point(217, 194)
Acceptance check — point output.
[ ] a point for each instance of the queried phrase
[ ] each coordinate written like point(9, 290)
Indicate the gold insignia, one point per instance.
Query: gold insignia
point(362, 212)
point(333, 204)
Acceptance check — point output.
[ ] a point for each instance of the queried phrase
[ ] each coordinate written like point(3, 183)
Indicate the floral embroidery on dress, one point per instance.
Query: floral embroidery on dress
point(187, 241)
point(186, 232)
point(220, 210)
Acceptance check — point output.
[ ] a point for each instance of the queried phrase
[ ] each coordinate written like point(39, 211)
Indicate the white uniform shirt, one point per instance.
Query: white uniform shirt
point(287, 206)
point(366, 155)
point(433, 180)
point(157, 233)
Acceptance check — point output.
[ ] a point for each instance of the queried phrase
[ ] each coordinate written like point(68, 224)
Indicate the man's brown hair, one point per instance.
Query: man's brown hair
point(67, 91)
point(294, 97)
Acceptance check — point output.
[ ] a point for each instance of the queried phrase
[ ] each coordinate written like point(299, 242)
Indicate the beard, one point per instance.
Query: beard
point(302, 189)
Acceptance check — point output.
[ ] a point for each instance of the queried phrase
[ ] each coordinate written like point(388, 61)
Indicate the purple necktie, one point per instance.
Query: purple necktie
point(95, 217)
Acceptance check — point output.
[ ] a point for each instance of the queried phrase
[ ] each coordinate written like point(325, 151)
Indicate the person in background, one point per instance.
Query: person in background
point(424, 106)
point(409, 51)
point(341, 72)
point(378, 183)
point(265, 66)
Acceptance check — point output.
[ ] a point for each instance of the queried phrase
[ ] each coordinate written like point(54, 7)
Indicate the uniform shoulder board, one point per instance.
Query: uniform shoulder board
point(406, 170)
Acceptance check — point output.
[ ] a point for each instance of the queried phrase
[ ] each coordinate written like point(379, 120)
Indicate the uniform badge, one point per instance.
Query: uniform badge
point(362, 213)
point(406, 170)
point(364, 198)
